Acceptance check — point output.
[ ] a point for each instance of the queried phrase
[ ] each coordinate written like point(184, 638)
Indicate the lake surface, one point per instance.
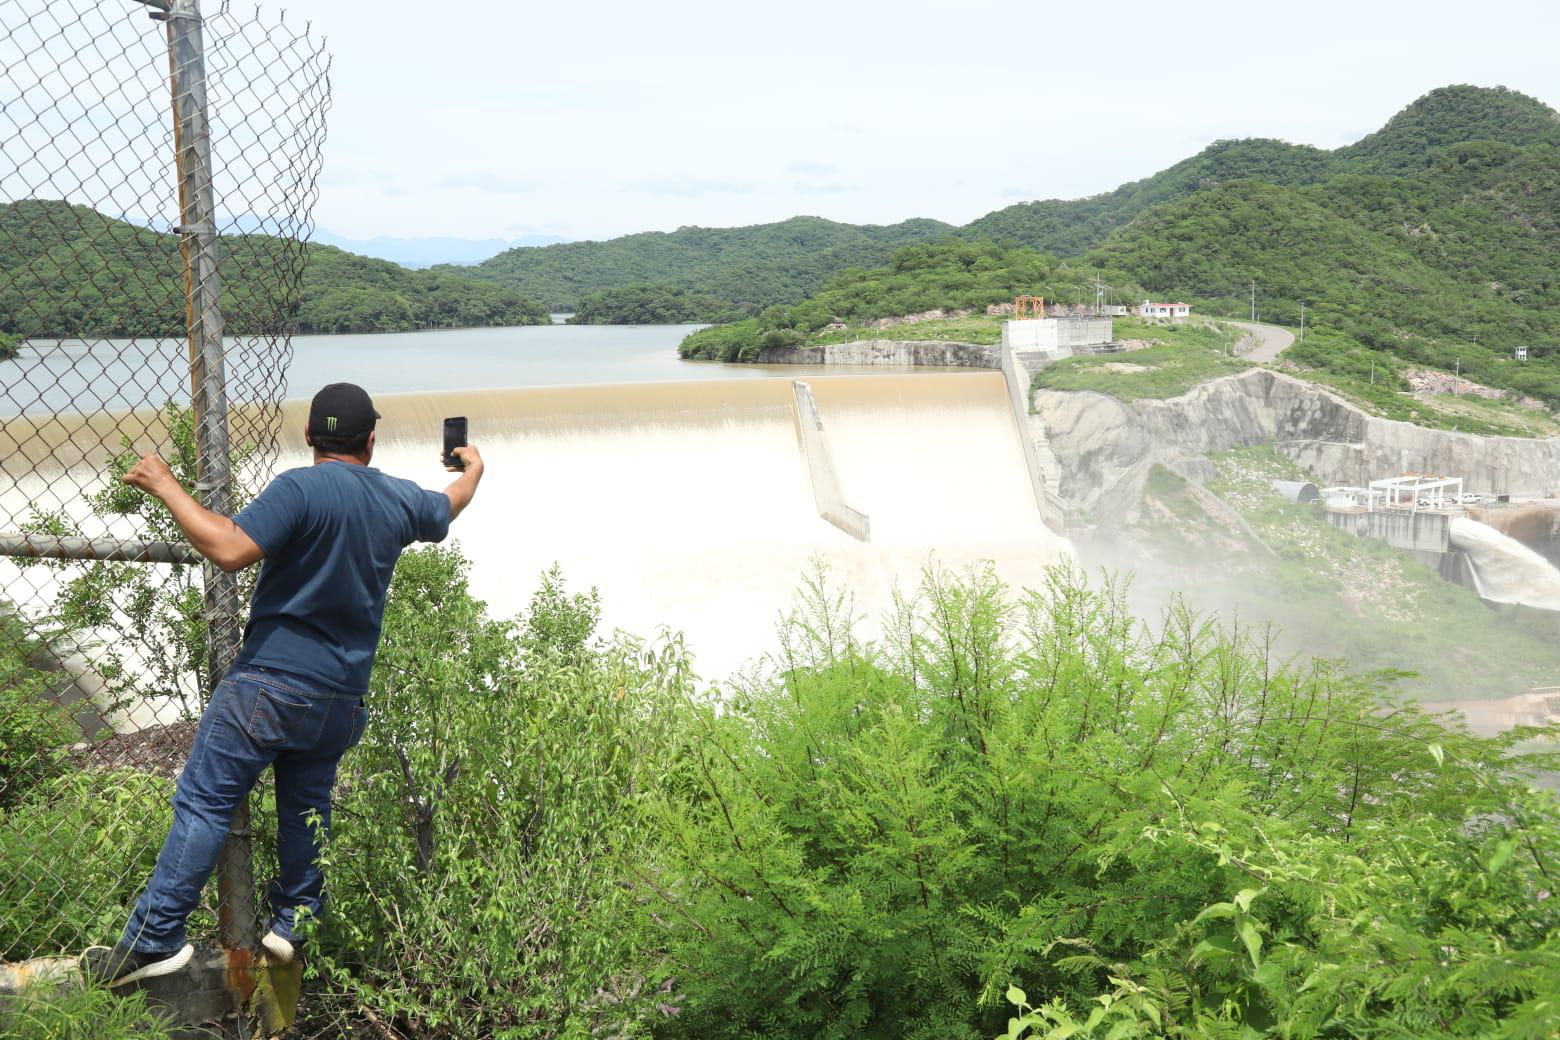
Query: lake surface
point(81, 375)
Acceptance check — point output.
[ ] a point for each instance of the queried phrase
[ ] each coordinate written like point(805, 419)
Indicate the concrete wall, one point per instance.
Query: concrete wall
point(1057, 335)
point(1032, 436)
point(886, 352)
point(827, 494)
point(1418, 532)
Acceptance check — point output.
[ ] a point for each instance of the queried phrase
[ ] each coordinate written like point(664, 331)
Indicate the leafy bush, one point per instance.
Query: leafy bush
point(879, 841)
point(162, 605)
point(33, 727)
point(486, 824)
point(78, 848)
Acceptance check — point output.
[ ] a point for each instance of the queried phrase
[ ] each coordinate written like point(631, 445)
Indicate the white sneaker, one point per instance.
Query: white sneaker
point(119, 965)
point(280, 949)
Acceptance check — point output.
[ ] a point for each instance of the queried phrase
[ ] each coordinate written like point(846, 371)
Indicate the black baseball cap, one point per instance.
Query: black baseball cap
point(342, 410)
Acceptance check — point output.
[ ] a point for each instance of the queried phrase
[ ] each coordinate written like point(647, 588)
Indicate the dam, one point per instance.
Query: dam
point(689, 504)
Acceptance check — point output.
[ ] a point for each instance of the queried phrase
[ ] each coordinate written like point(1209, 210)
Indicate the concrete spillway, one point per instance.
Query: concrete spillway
point(1505, 570)
point(691, 505)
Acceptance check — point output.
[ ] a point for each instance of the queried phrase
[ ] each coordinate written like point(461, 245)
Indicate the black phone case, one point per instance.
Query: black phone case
point(454, 437)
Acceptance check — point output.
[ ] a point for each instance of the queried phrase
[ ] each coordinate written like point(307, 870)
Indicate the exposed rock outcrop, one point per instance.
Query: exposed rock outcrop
point(1106, 447)
point(886, 352)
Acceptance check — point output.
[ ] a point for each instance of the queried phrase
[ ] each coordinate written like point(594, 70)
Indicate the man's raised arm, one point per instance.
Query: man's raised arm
point(465, 486)
point(215, 537)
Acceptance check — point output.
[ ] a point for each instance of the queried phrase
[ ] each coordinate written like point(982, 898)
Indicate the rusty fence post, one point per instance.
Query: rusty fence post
point(208, 391)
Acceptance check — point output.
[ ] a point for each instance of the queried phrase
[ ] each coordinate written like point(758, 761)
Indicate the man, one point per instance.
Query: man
point(330, 535)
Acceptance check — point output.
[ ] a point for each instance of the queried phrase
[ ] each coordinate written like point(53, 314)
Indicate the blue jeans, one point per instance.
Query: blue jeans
point(257, 718)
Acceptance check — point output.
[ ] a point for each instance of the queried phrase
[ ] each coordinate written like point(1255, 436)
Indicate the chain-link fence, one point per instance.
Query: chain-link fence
point(155, 192)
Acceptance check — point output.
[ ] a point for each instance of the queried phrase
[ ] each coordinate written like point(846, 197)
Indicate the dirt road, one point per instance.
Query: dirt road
point(1269, 340)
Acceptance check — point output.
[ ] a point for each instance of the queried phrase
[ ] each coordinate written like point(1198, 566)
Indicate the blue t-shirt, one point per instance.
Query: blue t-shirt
point(331, 534)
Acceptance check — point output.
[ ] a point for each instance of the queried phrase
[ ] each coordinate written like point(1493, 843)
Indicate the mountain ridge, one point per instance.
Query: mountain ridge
point(1407, 143)
point(123, 279)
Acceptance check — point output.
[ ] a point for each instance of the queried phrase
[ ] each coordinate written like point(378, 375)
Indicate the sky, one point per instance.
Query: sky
point(590, 119)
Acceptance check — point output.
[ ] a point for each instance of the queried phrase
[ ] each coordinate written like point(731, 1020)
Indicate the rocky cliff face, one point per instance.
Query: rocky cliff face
point(886, 352)
point(1106, 447)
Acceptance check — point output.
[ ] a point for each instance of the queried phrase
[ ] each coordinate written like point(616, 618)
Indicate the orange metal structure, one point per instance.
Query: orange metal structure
point(1028, 307)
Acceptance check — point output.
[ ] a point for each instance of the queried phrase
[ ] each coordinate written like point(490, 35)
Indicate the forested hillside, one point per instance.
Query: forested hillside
point(655, 305)
point(1409, 143)
point(69, 271)
point(952, 275)
point(1453, 266)
point(1070, 227)
point(1435, 241)
point(760, 265)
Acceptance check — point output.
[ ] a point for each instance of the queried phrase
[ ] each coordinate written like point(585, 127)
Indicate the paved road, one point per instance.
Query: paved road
point(1270, 341)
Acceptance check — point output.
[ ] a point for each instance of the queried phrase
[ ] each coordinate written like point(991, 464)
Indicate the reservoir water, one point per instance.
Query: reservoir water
point(679, 489)
point(75, 375)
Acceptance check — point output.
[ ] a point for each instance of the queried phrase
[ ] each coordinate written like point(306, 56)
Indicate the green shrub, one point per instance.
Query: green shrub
point(487, 822)
point(77, 850)
point(880, 841)
point(34, 729)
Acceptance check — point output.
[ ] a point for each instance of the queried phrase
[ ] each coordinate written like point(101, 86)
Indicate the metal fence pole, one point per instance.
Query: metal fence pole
point(214, 475)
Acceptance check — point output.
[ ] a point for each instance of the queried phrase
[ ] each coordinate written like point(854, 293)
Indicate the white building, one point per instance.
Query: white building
point(1164, 310)
point(1416, 491)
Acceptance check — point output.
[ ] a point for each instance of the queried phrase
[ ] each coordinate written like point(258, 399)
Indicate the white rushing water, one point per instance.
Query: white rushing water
point(1507, 571)
point(686, 503)
point(689, 506)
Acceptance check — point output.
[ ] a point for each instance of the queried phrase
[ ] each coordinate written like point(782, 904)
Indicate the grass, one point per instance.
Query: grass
point(1168, 361)
point(1374, 381)
point(1465, 413)
point(973, 328)
point(1338, 596)
point(80, 1014)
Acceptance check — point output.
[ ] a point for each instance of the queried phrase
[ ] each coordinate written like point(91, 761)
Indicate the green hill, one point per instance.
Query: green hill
point(654, 305)
point(759, 265)
point(70, 271)
point(1074, 226)
point(1450, 115)
point(1419, 244)
point(1411, 141)
point(951, 275)
point(1452, 267)
point(1462, 180)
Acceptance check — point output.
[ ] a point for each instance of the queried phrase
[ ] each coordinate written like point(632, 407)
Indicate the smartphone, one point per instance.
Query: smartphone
point(454, 437)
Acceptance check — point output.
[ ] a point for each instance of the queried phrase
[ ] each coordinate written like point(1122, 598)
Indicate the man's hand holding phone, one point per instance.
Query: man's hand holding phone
point(466, 461)
point(468, 458)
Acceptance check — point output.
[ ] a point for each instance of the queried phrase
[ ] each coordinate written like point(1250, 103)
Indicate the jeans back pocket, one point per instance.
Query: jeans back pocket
point(359, 723)
point(280, 717)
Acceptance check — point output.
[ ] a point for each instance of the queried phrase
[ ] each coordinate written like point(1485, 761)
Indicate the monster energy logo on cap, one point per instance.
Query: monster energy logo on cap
point(342, 410)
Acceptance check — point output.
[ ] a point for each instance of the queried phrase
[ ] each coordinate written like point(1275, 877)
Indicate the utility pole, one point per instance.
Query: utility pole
point(1302, 321)
point(1253, 300)
point(1099, 295)
point(208, 393)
